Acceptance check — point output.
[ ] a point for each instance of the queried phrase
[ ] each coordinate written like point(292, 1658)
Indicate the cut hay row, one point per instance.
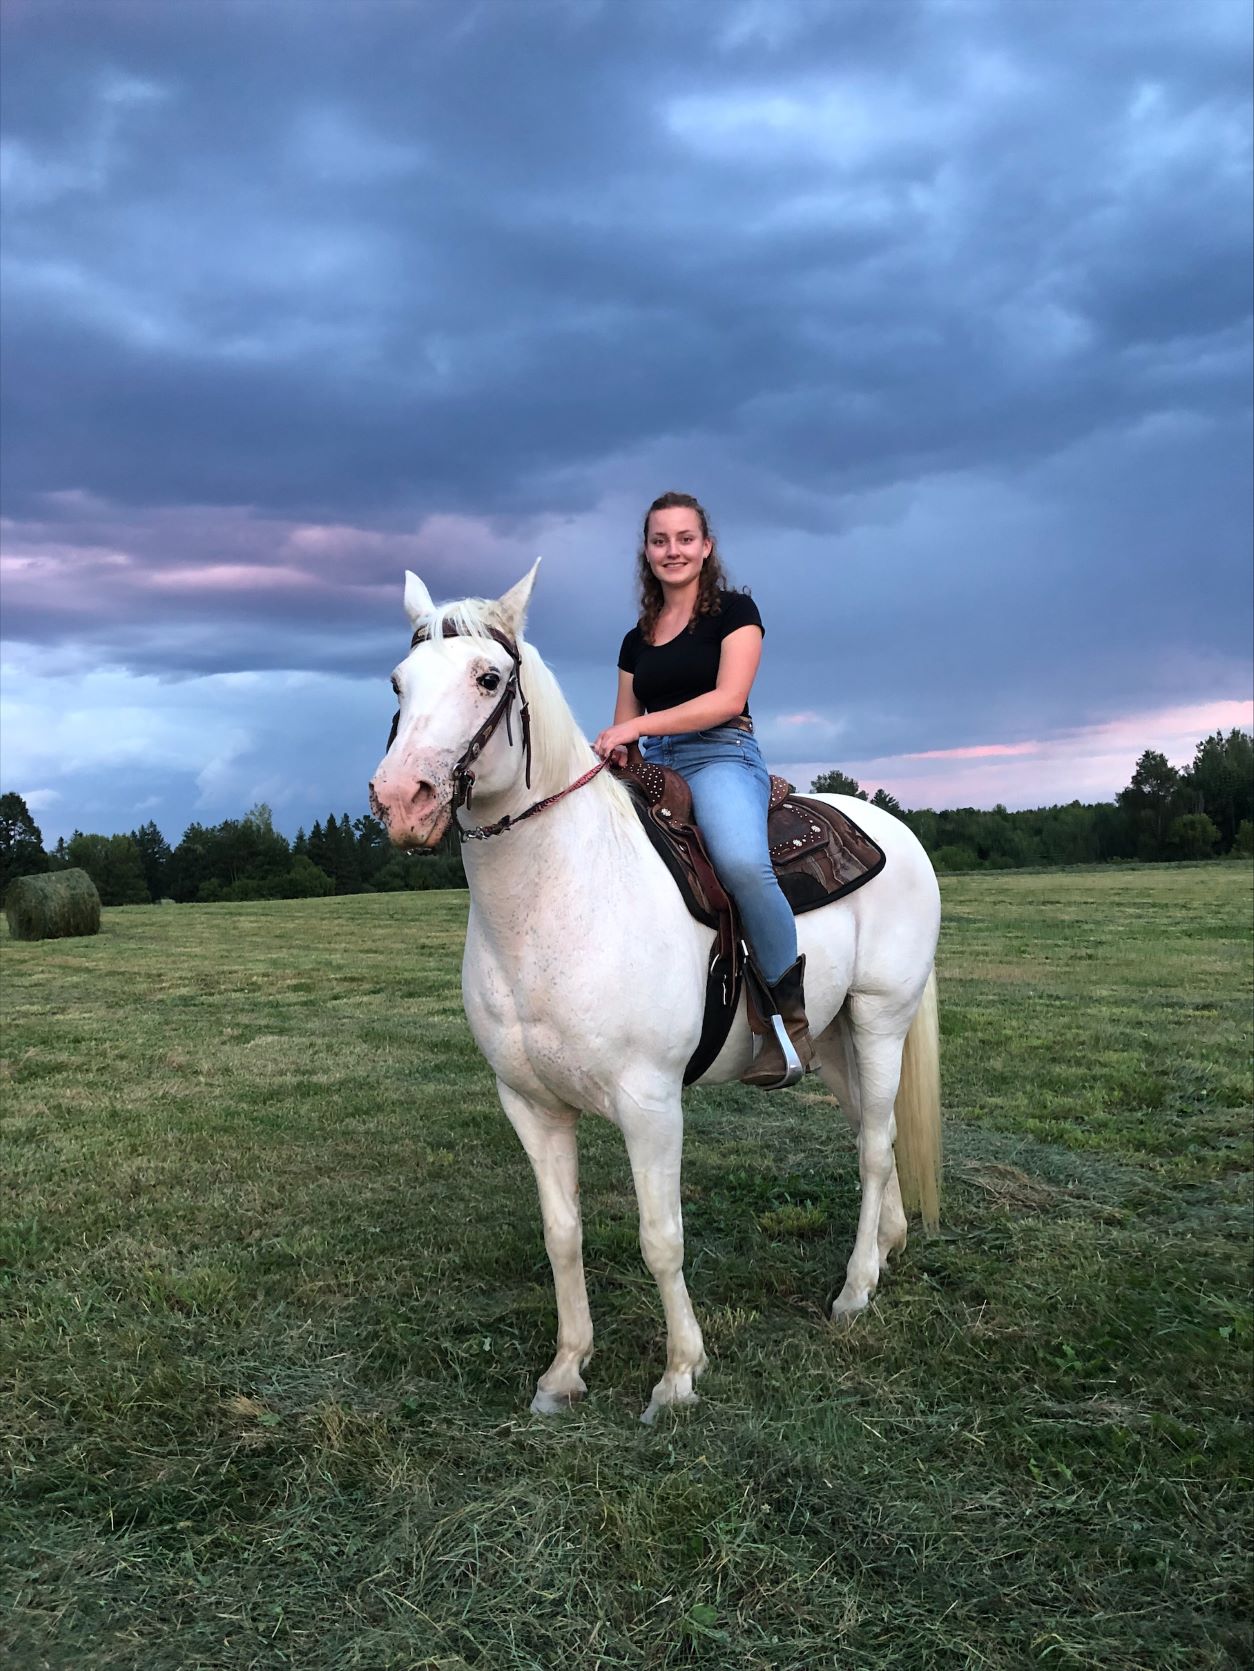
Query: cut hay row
point(52, 907)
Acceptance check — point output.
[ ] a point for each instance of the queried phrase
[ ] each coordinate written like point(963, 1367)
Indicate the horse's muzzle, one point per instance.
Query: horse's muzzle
point(415, 814)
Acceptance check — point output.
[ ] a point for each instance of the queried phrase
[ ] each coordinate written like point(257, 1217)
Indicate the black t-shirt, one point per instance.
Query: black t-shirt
point(664, 675)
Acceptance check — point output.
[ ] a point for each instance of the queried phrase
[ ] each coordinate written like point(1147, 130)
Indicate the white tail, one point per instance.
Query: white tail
point(917, 1110)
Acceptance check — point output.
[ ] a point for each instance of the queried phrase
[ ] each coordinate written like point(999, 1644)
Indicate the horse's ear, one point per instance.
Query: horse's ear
point(513, 605)
point(418, 601)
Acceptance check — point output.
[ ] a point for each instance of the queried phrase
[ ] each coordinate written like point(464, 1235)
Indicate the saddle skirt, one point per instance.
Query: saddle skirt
point(819, 856)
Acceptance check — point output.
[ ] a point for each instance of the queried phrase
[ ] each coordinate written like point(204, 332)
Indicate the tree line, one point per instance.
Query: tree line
point(1204, 811)
point(239, 859)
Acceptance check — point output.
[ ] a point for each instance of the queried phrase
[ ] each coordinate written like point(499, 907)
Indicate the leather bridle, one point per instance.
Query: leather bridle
point(463, 775)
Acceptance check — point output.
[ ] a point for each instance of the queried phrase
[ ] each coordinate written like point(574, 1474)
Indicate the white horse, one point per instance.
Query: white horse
point(584, 974)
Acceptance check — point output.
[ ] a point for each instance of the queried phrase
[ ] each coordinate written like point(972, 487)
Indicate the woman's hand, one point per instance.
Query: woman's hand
point(615, 740)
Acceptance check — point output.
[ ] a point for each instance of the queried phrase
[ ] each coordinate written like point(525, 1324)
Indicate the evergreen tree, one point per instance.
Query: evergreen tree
point(348, 880)
point(889, 803)
point(189, 863)
point(21, 843)
point(333, 849)
point(373, 848)
point(317, 850)
point(154, 856)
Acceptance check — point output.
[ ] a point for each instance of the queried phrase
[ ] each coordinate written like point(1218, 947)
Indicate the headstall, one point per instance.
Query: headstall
point(463, 775)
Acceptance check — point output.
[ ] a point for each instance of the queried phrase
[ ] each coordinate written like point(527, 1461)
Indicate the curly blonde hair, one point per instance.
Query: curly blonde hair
point(713, 577)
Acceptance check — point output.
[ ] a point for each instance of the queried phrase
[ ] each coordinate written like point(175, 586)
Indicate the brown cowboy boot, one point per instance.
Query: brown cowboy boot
point(786, 1053)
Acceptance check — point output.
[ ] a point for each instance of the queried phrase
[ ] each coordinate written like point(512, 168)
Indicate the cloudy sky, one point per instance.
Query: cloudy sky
point(942, 307)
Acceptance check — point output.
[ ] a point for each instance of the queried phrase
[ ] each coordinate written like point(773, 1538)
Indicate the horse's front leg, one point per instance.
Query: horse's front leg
point(548, 1135)
point(655, 1135)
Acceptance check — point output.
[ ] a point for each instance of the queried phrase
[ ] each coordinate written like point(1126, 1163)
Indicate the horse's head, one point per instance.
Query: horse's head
point(461, 671)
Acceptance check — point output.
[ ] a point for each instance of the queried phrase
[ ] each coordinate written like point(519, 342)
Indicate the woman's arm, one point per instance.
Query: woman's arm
point(628, 705)
point(628, 712)
point(738, 660)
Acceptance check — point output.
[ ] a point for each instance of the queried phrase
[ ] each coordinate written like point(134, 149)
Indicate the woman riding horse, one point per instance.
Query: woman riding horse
point(685, 672)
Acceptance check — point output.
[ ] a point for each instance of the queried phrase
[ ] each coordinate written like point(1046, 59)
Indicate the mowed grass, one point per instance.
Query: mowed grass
point(275, 1297)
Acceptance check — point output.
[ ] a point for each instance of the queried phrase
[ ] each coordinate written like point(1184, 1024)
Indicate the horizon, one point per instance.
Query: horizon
point(1244, 722)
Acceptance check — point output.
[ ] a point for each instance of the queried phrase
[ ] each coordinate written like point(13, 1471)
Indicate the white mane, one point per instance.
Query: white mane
point(560, 751)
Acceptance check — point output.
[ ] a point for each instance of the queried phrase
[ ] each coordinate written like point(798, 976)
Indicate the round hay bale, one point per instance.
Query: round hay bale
point(52, 907)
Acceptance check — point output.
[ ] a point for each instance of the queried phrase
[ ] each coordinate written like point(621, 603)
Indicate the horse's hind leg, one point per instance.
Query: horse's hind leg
point(548, 1135)
point(838, 1066)
point(654, 1135)
point(877, 1036)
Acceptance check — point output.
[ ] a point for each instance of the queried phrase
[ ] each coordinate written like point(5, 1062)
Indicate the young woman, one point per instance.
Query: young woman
point(685, 672)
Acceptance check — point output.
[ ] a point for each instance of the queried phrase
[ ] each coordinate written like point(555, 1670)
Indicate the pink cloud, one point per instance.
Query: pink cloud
point(227, 577)
point(980, 751)
point(1091, 763)
point(94, 566)
point(101, 559)
point(49, 561)
point(438, 537)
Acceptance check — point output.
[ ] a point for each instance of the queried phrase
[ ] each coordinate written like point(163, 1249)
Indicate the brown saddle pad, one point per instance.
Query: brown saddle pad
point(819, 854)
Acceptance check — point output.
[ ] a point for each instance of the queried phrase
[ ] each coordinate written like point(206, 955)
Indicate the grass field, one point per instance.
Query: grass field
point(275, 1296)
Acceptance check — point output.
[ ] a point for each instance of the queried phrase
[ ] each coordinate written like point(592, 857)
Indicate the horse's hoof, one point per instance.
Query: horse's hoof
point(554, 1404)
point(844, 1310)
point(673, 1391)
point(650, 1414)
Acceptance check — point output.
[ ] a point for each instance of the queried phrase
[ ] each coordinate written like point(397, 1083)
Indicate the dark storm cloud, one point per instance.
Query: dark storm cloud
point(943, 307)
point(428, 254)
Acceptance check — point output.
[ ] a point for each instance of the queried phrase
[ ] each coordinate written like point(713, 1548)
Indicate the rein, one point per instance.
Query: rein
point(507, 823)
point(463, 776)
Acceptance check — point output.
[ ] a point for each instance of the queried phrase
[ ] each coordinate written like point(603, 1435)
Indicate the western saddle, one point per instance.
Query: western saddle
point(819, 855)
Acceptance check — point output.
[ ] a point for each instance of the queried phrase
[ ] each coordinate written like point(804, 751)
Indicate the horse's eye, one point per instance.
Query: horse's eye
point(396, 686)
point(489, 680)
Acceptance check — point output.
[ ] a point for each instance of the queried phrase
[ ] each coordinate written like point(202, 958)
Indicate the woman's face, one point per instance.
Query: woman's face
point(674, 545)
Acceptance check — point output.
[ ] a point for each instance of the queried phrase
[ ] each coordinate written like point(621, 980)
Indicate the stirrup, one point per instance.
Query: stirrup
point(793, 1070)
point(789, 1062)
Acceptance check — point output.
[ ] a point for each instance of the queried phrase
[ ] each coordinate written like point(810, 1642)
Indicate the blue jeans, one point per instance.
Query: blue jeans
point(730, 788)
